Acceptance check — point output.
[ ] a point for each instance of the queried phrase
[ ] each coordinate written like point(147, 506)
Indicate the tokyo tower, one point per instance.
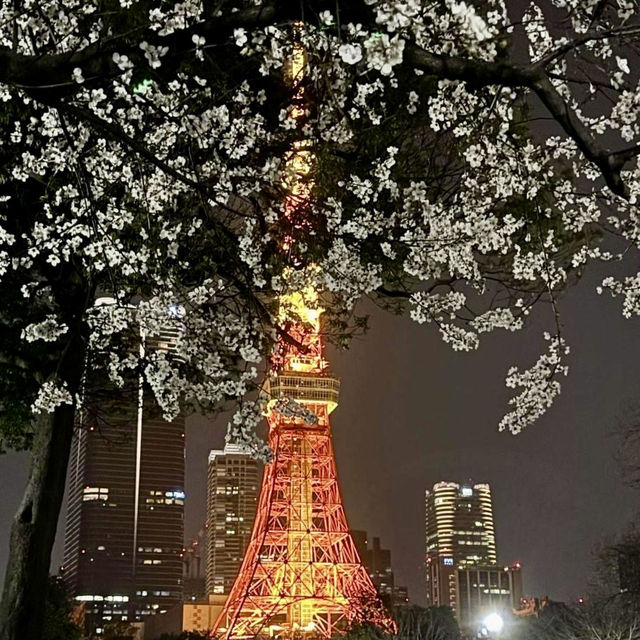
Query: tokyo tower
point(301, 575)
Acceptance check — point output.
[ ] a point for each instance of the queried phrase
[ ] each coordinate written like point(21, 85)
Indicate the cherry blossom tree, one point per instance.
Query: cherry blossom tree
point(465, 159)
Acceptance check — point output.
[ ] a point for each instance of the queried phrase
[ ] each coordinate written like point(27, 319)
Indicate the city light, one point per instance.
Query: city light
point(493, 623)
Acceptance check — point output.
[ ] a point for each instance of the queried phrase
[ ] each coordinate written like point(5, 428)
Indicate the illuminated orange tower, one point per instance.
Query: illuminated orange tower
point(301, 574)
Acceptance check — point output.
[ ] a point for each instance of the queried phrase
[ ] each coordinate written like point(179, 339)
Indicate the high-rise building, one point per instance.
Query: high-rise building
point(125, 515)
point(232, 497)
point(459, 534)
point(377, 561)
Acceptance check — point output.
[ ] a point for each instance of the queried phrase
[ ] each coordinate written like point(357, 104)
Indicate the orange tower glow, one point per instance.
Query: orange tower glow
point(301, 574)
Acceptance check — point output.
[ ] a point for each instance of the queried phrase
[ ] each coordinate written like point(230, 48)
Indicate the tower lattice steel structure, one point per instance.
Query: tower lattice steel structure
point(301, 574)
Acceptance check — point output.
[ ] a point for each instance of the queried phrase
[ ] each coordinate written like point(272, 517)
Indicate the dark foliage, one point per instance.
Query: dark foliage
point(414, 623)
point(58, 624)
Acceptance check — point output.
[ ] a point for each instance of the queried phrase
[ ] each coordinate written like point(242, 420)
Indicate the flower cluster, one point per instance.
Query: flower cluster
point(158, 166)
point(51, 395)
point(539, 384)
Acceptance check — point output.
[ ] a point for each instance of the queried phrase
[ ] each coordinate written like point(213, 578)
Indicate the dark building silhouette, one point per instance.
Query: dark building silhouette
point(400, 596)
point(125, 515)
point(360, 540)
point(628, 565)
point(378, 564)
point(194, 567)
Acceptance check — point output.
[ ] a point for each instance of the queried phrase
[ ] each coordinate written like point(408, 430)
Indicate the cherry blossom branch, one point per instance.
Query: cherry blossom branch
point(118, 134)
point(396, 293)
point(590, 36)
point(54, 71)
point(480, 73)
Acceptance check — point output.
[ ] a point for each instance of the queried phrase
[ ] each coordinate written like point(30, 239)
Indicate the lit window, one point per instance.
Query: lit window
point(95, 493)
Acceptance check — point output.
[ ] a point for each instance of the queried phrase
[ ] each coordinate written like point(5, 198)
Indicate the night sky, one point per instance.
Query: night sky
point(413, 412)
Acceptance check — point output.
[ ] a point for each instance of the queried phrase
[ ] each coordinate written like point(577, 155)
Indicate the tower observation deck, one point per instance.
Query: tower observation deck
point(301, 575)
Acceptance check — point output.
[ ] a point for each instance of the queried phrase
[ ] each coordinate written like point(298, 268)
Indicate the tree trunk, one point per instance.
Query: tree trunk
point(34, 525)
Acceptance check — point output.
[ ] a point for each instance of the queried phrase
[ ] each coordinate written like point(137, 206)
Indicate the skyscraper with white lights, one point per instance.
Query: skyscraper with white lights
point(232, 499)
point(459, 534)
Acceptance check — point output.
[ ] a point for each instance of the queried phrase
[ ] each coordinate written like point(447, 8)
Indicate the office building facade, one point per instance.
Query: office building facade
point(232, 497)
point(125, 513)
point(459, 533)
point(483, 590)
